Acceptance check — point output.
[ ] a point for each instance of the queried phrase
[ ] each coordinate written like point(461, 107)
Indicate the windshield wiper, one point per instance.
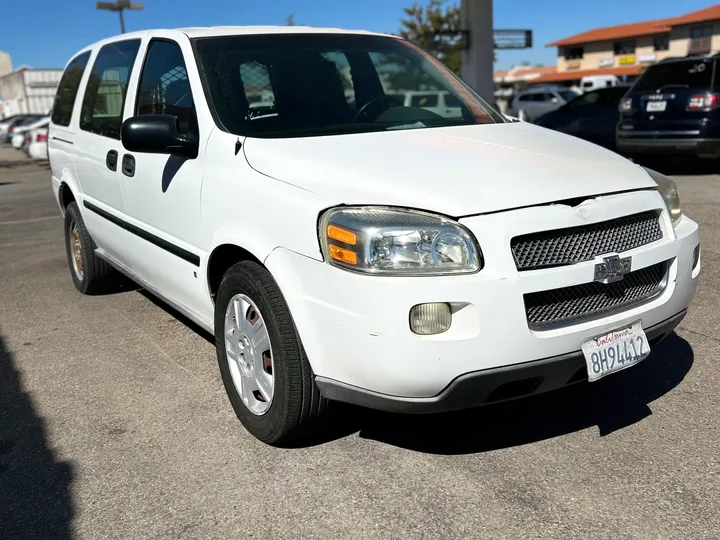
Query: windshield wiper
point(416, 125)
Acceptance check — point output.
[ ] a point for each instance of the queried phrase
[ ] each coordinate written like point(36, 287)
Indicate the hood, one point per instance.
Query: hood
point(457, 171)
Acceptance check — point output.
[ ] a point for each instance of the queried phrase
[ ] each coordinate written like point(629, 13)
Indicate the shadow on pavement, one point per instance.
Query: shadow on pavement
point(611, 404)
point(35, 499)
point(199, 330)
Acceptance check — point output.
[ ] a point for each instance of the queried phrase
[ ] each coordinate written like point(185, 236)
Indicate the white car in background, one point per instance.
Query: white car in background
point(371, 252)
point(21, 135)
point(38, 147)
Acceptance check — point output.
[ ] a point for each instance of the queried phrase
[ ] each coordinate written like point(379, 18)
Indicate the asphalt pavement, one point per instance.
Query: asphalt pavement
point(114, 424)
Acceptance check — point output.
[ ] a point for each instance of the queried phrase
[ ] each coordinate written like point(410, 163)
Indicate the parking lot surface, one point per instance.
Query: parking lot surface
point(114, 424)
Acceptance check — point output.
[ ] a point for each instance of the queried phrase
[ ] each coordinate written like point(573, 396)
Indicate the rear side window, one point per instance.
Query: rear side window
point(696, 74)
point(104, 100)
point(67, 90)
point(164, 86)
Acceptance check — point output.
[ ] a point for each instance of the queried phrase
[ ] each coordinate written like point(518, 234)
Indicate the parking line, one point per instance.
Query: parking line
point(32, 220)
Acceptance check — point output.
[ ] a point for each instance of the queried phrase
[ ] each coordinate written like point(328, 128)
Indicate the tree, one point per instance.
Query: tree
point(437, 16)
point(421, 22)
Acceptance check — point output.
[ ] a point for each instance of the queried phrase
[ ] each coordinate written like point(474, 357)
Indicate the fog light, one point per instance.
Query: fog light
point(427, 319)
point(696, 255)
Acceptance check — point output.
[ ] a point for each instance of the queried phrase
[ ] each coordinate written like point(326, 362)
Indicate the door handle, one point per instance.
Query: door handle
point(128, 165)
point(111, 160)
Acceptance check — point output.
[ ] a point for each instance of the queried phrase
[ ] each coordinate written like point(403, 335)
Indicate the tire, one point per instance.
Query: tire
point(90, 274)
point(296, 409)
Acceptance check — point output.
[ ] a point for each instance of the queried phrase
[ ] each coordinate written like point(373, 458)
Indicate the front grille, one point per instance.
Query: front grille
point(577, 244)
point(593, 300)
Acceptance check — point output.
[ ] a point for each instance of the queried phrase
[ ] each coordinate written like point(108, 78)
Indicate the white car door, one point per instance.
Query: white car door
point(161, 192)
point(96, 144)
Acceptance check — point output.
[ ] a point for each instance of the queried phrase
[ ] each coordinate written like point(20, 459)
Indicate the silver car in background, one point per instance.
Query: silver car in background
point(531, 104)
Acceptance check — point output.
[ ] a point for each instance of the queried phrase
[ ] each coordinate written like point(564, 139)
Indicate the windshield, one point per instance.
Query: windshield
point(295, 85)
point(690, 74)
point(568, 95)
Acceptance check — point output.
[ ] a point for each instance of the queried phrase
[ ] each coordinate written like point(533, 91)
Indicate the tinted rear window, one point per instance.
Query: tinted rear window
point(68, 89)
point(691, 74)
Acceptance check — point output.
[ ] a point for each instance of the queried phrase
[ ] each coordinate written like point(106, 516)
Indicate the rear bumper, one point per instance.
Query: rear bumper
point(486, 386)
point(695, 146)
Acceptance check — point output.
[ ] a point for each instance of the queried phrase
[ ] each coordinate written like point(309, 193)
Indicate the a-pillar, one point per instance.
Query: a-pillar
point(477, 62)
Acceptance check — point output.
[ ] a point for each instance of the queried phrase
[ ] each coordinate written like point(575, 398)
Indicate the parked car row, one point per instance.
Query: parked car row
point(672, 109)
point(28, 133)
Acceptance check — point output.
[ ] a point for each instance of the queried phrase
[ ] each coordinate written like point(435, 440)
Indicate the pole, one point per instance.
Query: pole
point(122, 21)
point(477, 62)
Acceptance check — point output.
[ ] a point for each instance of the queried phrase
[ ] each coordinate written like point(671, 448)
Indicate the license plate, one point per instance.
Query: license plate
point(615, 350)
point(656, 105)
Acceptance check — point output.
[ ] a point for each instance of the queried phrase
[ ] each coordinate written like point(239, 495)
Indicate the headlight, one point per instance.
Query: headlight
point(668, 189)
point(389, 241)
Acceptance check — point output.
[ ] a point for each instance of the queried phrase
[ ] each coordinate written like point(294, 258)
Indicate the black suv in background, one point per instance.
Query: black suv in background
point(673, 108)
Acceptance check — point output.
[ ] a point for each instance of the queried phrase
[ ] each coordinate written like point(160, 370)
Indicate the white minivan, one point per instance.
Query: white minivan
point(593, 82)
point(344, 246)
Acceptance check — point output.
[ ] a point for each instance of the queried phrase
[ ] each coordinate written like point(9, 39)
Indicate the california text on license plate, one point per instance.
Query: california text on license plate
point(615, 350)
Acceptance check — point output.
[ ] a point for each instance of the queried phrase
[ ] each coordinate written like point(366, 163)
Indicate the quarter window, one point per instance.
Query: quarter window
point(164, 86)
point(104, 100)
point(68, 89)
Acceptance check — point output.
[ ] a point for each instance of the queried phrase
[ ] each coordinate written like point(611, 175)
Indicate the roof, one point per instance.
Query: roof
point(579, 74)
point(523, 73)
point(659, 26)
point(249, 30)
point(210, 31)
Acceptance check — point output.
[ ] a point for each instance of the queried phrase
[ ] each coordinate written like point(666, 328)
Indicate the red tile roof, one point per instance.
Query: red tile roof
point(575, 75)
point(659, 26)
point(524, 73)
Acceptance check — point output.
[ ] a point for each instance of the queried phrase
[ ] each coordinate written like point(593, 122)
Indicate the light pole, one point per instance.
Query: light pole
point(119, 6)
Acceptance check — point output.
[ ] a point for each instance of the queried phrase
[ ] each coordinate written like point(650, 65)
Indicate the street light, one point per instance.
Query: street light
point(119, 6)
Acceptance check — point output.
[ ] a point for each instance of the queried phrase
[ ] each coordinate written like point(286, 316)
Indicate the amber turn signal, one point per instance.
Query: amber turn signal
point(342, 254)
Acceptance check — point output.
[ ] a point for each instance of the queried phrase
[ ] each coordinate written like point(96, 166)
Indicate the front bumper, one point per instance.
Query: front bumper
point(698, 147)
point(356, 333)
point(487, 386)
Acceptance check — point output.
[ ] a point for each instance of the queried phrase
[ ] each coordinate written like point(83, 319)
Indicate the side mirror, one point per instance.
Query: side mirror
point(157, 134)
point(554, 100)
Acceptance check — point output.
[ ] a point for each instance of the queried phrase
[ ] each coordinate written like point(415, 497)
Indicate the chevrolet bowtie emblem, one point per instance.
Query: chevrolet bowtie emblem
point(612, 269)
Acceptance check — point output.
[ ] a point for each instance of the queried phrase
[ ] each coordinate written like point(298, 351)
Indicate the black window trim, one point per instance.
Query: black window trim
point(87, 52)
point(142, 70)
point(130, 72)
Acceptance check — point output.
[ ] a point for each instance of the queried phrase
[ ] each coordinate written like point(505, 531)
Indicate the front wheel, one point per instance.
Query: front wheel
point(263, 365)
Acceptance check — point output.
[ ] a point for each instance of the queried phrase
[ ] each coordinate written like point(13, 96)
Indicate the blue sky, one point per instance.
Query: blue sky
point(45, 33)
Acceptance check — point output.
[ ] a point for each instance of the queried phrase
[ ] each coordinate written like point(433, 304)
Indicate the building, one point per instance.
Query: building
point(5, 63)
point(624, 50)
point(28, 90)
